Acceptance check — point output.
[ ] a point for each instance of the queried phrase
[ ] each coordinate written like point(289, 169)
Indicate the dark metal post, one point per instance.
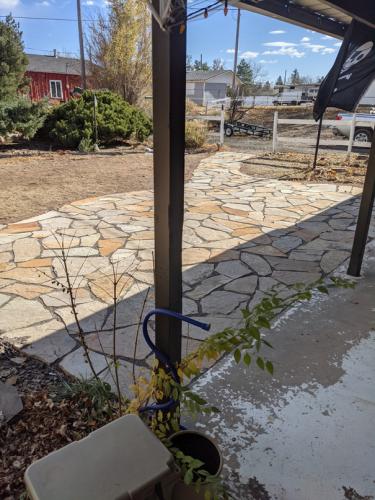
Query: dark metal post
point(81, 47)
point(364, 216)
point(317, 142)
point(169, 83)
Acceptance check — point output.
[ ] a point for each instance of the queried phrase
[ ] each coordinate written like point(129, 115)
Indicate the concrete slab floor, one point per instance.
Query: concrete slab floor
point(307, 432)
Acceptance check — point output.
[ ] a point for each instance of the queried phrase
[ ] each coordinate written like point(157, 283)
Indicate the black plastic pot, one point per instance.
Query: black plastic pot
point(199, 446)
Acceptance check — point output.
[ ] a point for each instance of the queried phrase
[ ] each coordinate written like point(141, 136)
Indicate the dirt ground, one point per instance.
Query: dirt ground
point(330, 167)
point(33, 182)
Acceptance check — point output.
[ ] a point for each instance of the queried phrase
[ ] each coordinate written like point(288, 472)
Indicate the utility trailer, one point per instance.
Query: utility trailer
point(246, 128)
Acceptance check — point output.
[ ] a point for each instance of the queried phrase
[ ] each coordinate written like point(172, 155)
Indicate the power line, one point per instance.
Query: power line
point(50, 19)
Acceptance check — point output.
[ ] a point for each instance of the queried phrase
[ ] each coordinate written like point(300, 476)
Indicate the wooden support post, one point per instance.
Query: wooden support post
point(274, 133)
point(222, 120)
point(364, 216)
point(169, 84)
point(351, 136)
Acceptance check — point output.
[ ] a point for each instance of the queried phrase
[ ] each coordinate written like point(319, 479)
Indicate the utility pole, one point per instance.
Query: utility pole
point(201, 61)
point(285, 77)
point(236, 50)
point(81, 48)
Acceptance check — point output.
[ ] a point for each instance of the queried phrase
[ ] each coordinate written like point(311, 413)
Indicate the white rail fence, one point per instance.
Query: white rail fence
point(213, 118)
point(277, 139)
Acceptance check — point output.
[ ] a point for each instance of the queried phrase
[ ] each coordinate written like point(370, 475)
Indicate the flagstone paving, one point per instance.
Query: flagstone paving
point(242, 236)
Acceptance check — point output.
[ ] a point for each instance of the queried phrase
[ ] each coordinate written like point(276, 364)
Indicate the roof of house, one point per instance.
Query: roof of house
point(54, 64)
point(201, 76)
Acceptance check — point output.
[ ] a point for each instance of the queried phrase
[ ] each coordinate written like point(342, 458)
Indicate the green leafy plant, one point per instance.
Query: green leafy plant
point(95, 389)
point(85, 145)
point(22, 116)
point(70, 123)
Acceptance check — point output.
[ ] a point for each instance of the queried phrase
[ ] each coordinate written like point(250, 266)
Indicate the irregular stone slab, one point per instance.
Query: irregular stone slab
point(264, 250)
point(59, 298)
point(194, 255)
point(57, 241)
point(287, 243)
point(258, 264)
point(20, 227)
point(232, 268)
point(293, 277)
point(5, 257)
point(25, 249)
point(80, 265)
point(189, 306)
point(91, 316)
point(106, 247)
point(27, 291)
point(125, 375)
point(10, 402)
point(76, 364)
point(56, 223)
point(46, 262)
point(291, 264)
point(197, 273)
point(332, 259)
point(222, 302)
point(19, 313)
point(27, 275)
point(246, 285)
point(129, 342)
point(4, 299)
point(48, 341)
point(207, 286)
point(211, 234)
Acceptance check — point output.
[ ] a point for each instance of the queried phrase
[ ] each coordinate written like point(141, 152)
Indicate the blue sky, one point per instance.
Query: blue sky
point(277, 46)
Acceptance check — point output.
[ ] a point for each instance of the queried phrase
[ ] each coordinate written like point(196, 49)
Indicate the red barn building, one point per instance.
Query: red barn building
point(53, 76)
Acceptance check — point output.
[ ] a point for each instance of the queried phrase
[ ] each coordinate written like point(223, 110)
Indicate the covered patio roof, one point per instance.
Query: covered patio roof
point(330, 17)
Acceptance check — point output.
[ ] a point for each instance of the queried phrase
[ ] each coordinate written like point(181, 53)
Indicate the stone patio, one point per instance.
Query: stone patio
point(242, 236)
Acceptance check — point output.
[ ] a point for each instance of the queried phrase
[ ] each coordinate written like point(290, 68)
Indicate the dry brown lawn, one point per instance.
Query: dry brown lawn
point(34, 182)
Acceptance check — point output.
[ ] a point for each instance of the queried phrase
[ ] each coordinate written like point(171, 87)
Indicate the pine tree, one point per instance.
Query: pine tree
point(13, 60)
point(245, 72)
point(295, 77)
point(279, 80)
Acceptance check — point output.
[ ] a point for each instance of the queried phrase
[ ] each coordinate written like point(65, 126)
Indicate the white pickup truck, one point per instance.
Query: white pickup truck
point(364, 127)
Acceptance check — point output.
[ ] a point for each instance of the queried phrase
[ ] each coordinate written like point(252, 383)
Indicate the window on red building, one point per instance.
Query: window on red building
point(55, 89)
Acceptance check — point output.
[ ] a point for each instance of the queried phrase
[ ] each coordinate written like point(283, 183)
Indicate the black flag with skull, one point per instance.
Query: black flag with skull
point(352, 73)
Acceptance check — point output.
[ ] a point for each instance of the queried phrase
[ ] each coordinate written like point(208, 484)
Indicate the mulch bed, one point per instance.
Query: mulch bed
point(46, 422)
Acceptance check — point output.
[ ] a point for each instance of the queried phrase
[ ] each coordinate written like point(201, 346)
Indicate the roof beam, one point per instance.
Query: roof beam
point(296, 14)
point(361, 10)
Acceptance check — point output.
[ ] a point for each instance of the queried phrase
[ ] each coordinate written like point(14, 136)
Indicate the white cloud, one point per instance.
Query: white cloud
point(327, 37)
point(230, 51)
point(305, 39)
point(285, 51)
point(249, 54)
point(280, 44)
point(277, 32)
point(8, 4)
point(319, 49)
point(89, 3)
point(44, 3)
point(337, 44)
point(268, 61)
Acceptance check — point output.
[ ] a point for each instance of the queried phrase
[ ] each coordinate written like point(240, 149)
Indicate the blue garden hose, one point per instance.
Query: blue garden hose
point(163, 357)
